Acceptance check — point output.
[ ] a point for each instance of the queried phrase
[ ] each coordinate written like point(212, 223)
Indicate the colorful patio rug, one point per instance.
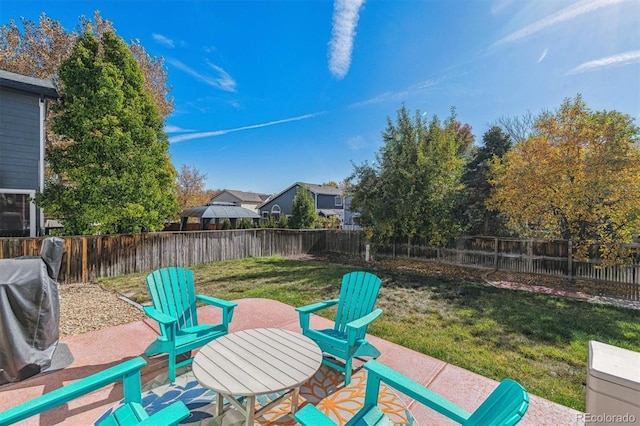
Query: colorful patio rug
point(325, 390)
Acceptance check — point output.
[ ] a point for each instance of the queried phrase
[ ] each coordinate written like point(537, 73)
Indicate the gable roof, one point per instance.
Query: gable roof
point(220, 211)
point(249, 197)
point(28, 84)
point(321, 189)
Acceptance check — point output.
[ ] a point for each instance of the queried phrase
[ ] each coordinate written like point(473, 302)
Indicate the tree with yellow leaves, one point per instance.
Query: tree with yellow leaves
point(577, 177)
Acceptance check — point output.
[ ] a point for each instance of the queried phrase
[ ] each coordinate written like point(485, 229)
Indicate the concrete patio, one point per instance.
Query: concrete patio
point(98, 350)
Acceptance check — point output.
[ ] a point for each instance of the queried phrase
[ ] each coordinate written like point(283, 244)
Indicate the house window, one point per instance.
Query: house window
point(17, 213)
point(275, 210)
point(338, 201)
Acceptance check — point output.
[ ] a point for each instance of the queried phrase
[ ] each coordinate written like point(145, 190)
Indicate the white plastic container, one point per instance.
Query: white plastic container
point(613, 385)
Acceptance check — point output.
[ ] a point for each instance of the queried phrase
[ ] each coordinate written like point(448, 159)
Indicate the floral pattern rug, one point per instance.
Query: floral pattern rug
point(325, 389)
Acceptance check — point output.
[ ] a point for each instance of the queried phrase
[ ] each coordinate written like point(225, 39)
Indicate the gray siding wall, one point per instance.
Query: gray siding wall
point(19, 139)
point(285, 201)
point(327, 202)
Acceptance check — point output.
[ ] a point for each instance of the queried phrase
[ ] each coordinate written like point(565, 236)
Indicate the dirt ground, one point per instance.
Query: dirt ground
point(528, 282)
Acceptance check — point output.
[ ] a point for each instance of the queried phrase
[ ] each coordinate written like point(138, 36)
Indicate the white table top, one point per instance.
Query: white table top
point(257, 361)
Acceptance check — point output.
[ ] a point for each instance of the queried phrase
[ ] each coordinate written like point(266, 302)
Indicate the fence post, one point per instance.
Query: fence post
point(495, 254)
point(570, 261)
point(367, 252)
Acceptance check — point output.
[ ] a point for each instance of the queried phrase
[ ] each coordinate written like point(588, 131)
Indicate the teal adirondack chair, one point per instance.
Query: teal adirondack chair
point(174, 308)
point(130, 413)
point(346, 340)
point(504, 407)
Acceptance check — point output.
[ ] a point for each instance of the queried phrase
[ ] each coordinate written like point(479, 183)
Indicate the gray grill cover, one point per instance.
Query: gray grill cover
point(29, 312)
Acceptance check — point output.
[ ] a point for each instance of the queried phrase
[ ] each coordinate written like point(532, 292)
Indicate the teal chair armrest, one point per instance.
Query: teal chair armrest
point(377, 372)
point(158, 316)
point(226, 306)
point(171, 415)
point(356, 325)
point(305, 311)
point(128, 372)
point(309, 415)
point(168, 324)
point(308, 309)
point(220, 303)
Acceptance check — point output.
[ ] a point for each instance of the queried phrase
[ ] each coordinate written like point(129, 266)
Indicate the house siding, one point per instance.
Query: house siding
point(327, 202)
point(20, 139)
point(285, 201)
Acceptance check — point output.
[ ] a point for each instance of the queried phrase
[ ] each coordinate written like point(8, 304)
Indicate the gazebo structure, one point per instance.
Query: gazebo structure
point(214, 213)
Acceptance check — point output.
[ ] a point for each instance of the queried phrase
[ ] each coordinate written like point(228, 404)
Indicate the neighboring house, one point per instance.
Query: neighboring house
point(328, 201)
point(248, 200)
point(23, 106)
point(350, 218)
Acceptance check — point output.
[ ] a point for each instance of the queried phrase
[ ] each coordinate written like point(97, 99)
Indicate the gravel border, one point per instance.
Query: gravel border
point(89, 307)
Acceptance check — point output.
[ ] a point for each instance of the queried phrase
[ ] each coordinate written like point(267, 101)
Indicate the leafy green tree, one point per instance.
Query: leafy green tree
point(479, 220)
point(414, 187)
point(245, 224)
point(303, 213)
point(273, 222)
point(283, 221)
point(112, 172)
point(576, 178)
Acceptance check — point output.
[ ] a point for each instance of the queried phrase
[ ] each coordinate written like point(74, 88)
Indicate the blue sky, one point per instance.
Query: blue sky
point(268, 93)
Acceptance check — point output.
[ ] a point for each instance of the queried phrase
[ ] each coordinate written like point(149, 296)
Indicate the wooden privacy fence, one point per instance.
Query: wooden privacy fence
point(87, 258)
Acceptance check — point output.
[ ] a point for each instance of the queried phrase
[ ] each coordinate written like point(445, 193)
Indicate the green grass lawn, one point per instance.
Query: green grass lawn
point(541, 341)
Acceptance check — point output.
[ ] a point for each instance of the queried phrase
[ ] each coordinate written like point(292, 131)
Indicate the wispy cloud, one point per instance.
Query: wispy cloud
point(199, 135)
point(607, 62)
point(222, 80)
point(396, 97)
point(499, 5)
point(544, 55)
point(566, 14)
point(358, 143)
point(165, 41)
point(383, 98)
point(169, 128)
point(345, 19)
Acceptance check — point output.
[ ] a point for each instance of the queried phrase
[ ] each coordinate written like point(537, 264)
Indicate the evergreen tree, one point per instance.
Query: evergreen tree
point(480, 220)
point(303, 213)
point(112, 173)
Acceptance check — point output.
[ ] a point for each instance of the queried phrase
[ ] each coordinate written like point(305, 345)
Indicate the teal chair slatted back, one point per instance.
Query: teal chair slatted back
point(505, 406)
point(358, 295)
point(172, 291)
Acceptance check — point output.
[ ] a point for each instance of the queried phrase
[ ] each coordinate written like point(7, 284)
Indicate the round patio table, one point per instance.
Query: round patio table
point(254, 362)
